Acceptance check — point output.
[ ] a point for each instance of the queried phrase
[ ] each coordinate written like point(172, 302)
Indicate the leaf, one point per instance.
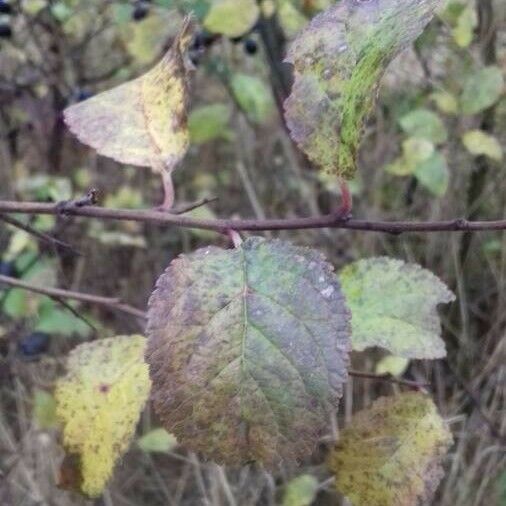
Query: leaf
point(99, 403)
point(392, 453)
point(253, 96)
point(301, 491)
point(157, 441)
point(478, 143)
point(248, 350)
point(396, 366)
point(44, 409)
point(141, 122)
point(446, 102)
point(232, 18)
point(210, 122)
point(463, 32)
point(424, 124)
point(482, 90)
point(434, 174)
point(393, 305)
point(338, 61)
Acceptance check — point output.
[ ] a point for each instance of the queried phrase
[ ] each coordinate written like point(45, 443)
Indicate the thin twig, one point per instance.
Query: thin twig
point(109, 302)
point(222, 225)
point(390, 379)
point(39, 235)
point(194, 205)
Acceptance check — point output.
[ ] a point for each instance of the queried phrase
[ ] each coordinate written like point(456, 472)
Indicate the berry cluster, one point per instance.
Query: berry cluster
point(5, 14)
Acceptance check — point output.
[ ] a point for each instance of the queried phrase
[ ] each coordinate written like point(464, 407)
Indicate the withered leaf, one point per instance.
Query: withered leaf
point(141, 122)
point(391, 454)
point(339, 59)
point(248, 350)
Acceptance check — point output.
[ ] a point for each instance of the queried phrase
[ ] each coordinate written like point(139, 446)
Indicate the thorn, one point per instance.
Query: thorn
point(67, 206)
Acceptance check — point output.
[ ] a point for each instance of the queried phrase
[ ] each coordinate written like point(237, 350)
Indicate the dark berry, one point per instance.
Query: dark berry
point(5, 7)
point(82, 95)
point(141, 10)
point(8, 269)
point(5, 31)
point(34, 344)
point(250, 46)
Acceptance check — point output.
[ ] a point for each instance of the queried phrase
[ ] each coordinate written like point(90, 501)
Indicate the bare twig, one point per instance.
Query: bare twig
point(222, 225)
point(389, 378)
point(39, 235)
point(58, 293)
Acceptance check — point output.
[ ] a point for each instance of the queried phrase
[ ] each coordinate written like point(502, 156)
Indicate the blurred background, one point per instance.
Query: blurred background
point(433, 150)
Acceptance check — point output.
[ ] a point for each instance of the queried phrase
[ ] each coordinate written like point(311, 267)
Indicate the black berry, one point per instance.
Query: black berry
point(5, 31)
point(5, 7)
point(250, 46)
point(34, 344)
point(8, 269)
point(82, 95)
point(141, 10)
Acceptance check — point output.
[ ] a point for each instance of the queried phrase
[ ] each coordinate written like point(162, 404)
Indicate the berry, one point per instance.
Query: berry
point(5, 7)
point(34, 344)
point(141, 10)
point(82, 95)
point(5, 31)
point(250, 46)
point(8, 269)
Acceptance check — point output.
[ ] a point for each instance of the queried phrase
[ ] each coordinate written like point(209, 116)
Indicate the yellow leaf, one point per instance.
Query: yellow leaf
point(99, 402)
point(392, 364)
point(481, 143)
point(391, 454)
point(232, 18)
point(142, 122)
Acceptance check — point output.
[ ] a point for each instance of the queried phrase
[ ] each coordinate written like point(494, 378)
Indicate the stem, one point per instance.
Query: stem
point(344, 211)
point(168, 191)
point(235, 238)
point(222, 225)
point(390, 379)
point(57, 293)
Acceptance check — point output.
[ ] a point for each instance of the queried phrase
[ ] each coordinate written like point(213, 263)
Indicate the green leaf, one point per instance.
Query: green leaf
point(232, 18)
point(253, 96)
point(301, 491)
point(53, 319)
point(424, 124)
point(434, 174)
point(446, 102)
point(395, 366)
point(44, 409)
point(99, 402)
point(157, 441)
point(339, 59)
point(393, 305)
point(463, 32)
point(210, 122)
point(479, 143)
point(482, 90)
point(248, 350)
point(392, 453)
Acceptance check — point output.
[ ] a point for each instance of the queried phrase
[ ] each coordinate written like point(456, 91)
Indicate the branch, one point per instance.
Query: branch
point(390, 379)
point(57, 293)
point(333, 221)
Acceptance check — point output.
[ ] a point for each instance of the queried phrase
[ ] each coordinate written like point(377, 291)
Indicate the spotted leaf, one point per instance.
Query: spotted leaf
point(248, 350)
point(338, 61)
point(142, 122)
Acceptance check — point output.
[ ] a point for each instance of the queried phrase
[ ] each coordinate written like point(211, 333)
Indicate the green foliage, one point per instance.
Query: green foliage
point(392, 453)
point(232, 18)
point(99, 403)
point(253, 96)
point(248, 350)
point(482, 90)
point(210, 122)
point(44, 409)
point(424, 124)
point(393, 306)
point(157, 441)
point(338, 62)
point(301, 491)
point(478, 143)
